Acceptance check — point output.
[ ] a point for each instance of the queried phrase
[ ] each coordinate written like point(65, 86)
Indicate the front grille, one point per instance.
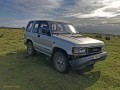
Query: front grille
point(93, 50)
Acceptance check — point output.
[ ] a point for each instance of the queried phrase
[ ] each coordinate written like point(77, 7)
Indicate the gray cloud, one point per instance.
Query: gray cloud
point(12, 22)
point(75, 11)
point(30, 9)
point(37, 7)
point(95, 8)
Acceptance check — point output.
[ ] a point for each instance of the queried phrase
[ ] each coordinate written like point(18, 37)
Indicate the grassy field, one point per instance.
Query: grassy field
point(20, 72)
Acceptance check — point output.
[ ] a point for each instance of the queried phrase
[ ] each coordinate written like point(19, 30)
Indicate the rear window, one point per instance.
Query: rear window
point(29, 26)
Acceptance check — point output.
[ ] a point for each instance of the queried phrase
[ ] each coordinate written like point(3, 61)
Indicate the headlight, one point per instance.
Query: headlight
point(103, 48)
point(79, 50)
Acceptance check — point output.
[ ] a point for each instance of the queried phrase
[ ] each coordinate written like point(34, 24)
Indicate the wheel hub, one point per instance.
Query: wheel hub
point(60, 63)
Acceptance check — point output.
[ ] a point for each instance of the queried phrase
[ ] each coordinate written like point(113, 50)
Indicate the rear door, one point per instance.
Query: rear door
point(34, 34)
point(27, 32)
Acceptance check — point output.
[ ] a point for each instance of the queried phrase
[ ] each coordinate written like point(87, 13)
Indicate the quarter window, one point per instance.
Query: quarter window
point(29, 26)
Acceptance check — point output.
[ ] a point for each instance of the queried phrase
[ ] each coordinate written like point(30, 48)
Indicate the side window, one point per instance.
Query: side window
point(29, 26)
point(35, 27)
point(54, 27)
point(57, 28)
point(44, 26)
point(60, 28)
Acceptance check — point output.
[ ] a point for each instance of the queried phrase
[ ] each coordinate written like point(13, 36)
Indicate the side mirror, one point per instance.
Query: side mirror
point(46, 31)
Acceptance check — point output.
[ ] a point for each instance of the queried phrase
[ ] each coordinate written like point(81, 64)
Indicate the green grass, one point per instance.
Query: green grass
point(20, 72)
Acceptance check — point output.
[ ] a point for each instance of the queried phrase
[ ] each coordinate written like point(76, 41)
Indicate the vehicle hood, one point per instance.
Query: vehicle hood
point(79, 40)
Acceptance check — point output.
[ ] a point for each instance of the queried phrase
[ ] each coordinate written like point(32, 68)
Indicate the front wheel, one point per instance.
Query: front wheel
point(60, 62)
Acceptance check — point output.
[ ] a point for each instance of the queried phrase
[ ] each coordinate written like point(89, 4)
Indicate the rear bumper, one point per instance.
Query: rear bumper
point(86, 61)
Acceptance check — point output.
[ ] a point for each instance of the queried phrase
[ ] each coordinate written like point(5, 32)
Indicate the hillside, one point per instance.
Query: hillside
point(20, 72)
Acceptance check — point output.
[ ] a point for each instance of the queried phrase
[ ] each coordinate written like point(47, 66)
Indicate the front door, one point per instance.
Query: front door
point(44, 40)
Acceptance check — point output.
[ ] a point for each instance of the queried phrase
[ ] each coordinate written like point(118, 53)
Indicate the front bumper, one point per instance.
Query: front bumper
point(86, 61)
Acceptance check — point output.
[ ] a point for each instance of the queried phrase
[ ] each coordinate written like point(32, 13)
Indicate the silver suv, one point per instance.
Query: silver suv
point(64, 44)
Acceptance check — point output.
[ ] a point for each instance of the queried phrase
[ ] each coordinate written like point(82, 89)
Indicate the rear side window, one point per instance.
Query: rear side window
point(29, 26)
point(36, 27)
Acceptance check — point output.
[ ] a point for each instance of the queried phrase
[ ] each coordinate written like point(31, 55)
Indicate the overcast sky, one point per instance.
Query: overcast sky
point(79, 12)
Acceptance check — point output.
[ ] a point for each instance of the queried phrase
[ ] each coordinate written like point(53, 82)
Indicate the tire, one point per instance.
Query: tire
point(30, 49)
point(60, 62)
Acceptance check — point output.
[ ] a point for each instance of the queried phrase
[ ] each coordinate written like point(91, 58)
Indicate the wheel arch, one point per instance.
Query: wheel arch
point(29, 40)
point(68, 67)
point(55, 49)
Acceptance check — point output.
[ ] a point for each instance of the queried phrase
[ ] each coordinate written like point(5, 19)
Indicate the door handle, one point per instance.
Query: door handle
point(38, 35)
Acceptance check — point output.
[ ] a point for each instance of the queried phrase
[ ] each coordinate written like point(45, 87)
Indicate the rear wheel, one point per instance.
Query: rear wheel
point(60, 62)
point(30, 49)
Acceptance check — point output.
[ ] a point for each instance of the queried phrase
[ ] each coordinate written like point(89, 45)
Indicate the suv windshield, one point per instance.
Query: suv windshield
point(63, 28)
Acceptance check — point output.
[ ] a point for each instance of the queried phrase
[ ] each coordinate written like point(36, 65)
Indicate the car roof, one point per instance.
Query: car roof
point(49, 21)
